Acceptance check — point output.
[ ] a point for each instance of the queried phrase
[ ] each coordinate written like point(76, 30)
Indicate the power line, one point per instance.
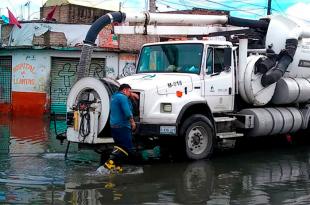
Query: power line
point(179, 4)
point(168, 6)
point(281, 10)
point(251, 4)
point(233, 8)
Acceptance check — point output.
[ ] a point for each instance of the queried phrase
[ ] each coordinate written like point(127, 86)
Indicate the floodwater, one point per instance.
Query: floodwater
point(33, 171)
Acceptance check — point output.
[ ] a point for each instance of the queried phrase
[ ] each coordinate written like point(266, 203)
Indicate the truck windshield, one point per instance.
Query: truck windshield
point(164, 58)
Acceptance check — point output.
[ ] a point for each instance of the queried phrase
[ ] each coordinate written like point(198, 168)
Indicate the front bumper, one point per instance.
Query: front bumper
point(157, 129)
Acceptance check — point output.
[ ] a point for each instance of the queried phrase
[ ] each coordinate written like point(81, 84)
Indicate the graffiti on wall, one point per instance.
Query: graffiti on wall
point(29, 73)
point(127, 64)
point(129, 69)
point(65, 77)
point(67, 74)
point(97, 70)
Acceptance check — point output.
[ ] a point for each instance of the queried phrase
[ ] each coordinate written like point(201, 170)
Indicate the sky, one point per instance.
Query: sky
point(253, 9)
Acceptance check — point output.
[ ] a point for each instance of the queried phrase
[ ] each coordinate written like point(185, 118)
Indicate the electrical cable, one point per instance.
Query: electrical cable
point(231, 7)
point(251, 4)
point(236, 9)
point(281, 10)
point(168, 6)
point(85, 124)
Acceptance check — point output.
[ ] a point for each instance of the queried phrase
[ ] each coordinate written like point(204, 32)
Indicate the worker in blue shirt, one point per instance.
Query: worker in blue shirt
point(122, 124)
point(121, 117)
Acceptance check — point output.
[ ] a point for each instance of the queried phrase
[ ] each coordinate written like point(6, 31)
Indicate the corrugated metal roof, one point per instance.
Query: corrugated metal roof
point(100, 4)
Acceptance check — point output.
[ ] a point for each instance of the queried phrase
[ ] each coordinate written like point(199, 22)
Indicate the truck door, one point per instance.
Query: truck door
point(219, 87)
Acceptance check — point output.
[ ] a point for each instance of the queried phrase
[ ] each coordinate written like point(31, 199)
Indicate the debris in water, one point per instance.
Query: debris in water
point(126, 170)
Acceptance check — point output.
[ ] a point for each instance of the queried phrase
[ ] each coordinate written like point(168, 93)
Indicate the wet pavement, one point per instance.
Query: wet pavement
point(33, 171)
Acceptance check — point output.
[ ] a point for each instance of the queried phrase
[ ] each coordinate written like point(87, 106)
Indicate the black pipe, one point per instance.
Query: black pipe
point(286, 56)
point(234, 21)
point(89, 42)
point(101, 22)
point(263, 65)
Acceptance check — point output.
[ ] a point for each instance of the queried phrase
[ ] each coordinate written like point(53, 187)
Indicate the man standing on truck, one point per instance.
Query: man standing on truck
point(122, 125)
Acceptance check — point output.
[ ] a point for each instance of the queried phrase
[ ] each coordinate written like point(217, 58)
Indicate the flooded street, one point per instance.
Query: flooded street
point(33, 171)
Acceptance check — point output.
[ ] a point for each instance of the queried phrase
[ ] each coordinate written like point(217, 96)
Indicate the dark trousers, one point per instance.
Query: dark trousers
point(123, 138)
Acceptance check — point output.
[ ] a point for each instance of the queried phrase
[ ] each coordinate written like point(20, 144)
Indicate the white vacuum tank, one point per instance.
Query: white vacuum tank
point(292, 90)
point(272, 121)
point(294, 86)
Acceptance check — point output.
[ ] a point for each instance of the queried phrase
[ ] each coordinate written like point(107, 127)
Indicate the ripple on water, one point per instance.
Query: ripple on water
point(22, 179)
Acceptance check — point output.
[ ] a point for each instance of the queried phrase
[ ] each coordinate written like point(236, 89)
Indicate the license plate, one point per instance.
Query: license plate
point(167, 130)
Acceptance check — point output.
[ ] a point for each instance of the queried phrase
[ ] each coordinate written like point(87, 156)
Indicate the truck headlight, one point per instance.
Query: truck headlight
point(166, 107)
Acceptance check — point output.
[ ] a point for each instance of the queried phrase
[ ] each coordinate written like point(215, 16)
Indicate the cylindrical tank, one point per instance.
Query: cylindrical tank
point(291, 90)
point(251, 89)
point(272, 121)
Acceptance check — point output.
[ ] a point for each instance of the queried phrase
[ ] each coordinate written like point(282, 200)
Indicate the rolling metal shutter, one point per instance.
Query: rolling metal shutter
point(5, 79)
point(63, 74)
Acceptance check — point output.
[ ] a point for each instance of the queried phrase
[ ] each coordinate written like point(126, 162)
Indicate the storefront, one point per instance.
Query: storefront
point(37, 82)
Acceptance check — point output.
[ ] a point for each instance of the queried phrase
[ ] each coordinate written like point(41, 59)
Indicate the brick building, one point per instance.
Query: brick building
point(75, 11)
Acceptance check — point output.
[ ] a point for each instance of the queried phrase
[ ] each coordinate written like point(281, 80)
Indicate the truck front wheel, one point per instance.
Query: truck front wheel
point(199, 139)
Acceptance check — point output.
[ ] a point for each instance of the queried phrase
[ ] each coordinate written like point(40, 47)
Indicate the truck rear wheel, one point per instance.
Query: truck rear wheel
point(199, 139)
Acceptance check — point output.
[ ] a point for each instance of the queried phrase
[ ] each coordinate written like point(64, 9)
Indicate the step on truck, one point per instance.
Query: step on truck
point(202, 92)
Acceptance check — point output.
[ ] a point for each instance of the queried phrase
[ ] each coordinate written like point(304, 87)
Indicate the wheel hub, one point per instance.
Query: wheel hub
point(196, 139)
point(197, 142)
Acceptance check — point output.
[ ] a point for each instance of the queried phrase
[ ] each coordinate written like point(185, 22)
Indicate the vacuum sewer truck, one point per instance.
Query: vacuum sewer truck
point(201, 92)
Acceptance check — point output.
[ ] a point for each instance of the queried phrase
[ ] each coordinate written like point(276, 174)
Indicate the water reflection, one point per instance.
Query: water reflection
point(33, 171)
point(161, 183)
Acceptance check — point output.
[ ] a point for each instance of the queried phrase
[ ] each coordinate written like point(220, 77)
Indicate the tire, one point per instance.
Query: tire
point(199, 137)
point(189, 189)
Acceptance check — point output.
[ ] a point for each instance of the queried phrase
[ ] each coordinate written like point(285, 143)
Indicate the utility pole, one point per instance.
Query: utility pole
point(269, 7)
point(21, 13)
point(28, 6)
point(152, 6)
point(146, 5)
point(28, 10)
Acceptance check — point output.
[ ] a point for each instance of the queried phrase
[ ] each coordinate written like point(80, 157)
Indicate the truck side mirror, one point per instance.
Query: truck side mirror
point(227, 59)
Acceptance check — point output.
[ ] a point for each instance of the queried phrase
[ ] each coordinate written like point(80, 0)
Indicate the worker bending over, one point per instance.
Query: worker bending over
point(122, 125)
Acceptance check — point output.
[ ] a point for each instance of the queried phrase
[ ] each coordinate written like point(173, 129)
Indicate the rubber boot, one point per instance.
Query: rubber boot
point(116, 157)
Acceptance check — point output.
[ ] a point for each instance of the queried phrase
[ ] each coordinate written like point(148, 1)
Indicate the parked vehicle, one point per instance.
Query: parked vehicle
point(203, 92)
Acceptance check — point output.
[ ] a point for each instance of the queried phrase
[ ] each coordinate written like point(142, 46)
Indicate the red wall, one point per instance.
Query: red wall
point(5, 108)
point(29, 104)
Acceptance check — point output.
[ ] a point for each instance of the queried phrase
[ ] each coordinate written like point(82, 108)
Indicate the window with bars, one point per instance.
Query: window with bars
point(5, 79)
